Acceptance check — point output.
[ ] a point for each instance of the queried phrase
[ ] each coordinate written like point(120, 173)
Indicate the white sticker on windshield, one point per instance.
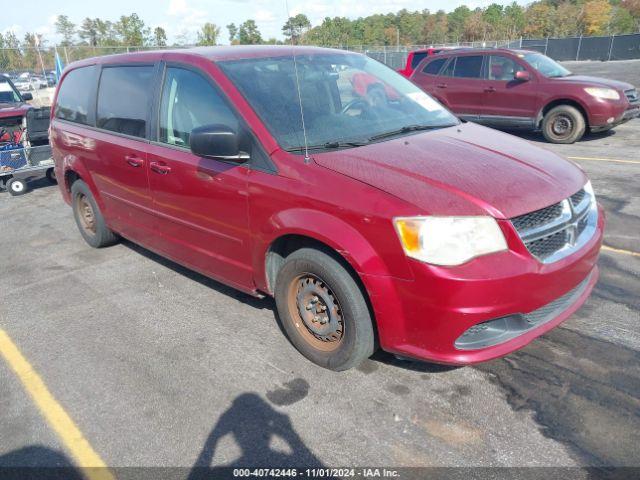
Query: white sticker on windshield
point(425, 101)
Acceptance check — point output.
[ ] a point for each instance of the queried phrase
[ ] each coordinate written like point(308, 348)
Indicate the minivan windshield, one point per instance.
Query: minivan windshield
point(348, 100)
point(546, 66)
point(7, 92)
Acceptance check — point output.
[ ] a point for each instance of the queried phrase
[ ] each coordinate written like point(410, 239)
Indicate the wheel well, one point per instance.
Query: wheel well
point(284, 246)
point(559, 102)
point(287, 244)
point(69, 177)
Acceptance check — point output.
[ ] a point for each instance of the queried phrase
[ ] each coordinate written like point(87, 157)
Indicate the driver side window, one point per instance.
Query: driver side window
point(503, 68)
point(190, 101)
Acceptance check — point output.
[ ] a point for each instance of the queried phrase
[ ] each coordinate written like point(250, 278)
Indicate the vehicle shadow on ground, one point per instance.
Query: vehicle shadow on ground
point(538, 138)
point(265, 437)
point(37, 462)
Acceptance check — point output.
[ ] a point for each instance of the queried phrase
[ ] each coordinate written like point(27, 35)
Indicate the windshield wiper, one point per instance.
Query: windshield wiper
point(406, 129)
point(327, 146)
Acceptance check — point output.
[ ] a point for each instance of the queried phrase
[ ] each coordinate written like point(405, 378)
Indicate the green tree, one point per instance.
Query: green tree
point(514, 19)
point(233, 33)
point(248, 33)
point(539, 20)
point(209, 34)
point(132, 31)
point(457, 20)
point(159, 37)
point(66, 28)
point(296, 27)
point(622, 21)
point(88, 32)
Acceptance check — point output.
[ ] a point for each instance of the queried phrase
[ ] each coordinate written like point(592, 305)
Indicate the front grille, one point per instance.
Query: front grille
point(547, 246)
point(632, 95)
point(537, 218)
point(556, 231)
point(577, 197)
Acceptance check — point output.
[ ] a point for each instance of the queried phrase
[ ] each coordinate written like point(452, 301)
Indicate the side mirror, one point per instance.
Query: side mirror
point(27, 96)
point(522, 76)
point(216, 141)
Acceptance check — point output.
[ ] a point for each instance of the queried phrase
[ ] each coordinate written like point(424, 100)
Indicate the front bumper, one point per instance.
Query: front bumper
point(424, 318)
point(604, 116)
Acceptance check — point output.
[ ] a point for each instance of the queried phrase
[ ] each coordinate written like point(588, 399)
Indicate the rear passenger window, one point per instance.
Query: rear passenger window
point(123, 99)
point(74, 95)
point(432, 68)
point(417, 58)
point(468, 67)
point(190, 101)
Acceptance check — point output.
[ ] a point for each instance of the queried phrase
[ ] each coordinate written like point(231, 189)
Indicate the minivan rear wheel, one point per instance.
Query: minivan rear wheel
point(88, 217)
point(563, 124)
point(323, 310)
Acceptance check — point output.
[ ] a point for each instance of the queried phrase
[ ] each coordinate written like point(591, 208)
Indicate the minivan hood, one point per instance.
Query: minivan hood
point(588, 81)
point(13, 109)
point(461, 170)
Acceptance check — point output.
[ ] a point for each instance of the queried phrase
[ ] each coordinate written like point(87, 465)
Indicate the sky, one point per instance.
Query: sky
point(185, 17)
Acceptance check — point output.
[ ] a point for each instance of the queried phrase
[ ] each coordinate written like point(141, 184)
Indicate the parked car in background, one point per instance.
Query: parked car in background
point(525, 89)
point(52, 79)
point(382, 222)
point(416, 56)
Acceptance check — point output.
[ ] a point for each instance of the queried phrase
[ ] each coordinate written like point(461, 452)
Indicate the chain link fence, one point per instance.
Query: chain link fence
point(618, 47)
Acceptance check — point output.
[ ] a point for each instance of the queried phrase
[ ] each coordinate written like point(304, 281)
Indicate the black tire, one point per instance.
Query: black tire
point(312, 272)
point(17, 186)
point(88, 217)
point(51, 176)
point(563, 124)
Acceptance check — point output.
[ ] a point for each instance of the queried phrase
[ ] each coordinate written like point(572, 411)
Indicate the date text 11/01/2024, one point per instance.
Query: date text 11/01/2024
point(316, 472)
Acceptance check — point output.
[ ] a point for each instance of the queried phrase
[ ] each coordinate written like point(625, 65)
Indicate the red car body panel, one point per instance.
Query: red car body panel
point(220, 219)
point(516, 103)
point(416, 56)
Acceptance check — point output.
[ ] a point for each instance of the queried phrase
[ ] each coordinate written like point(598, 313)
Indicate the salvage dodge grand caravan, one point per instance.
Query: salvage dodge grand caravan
point(373, 215)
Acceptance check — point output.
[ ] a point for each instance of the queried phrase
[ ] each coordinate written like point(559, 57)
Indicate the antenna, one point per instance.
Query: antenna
point(307, 159)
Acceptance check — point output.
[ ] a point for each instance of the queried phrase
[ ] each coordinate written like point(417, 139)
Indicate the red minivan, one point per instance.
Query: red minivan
point(375, 223)
point(522, 89)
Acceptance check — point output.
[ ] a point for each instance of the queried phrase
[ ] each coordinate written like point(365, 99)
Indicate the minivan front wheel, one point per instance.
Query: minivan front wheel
point(323, 310)
point(88, 217)
point(563, 124)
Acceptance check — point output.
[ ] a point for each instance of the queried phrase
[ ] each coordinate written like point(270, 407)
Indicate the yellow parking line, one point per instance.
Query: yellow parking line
point(88, 461)
point(595, 159)
point(620, 250)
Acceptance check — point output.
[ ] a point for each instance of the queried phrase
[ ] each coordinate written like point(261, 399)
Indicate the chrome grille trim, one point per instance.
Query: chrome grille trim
point(632, 95)
point(550, 239)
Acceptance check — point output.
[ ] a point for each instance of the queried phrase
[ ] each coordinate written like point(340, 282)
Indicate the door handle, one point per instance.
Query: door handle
point(160, 168)
point(134, 161)
point(490, 89)
point(441, 85)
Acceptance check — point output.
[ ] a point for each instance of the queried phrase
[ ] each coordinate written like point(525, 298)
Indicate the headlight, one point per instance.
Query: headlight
point(606, 93)
point(449, 240)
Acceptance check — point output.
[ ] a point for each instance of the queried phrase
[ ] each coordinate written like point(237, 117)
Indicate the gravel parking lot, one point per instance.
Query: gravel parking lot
point(159, 366)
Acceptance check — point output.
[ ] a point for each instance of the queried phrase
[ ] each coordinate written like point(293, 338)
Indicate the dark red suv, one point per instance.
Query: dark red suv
point(524, 89)
point(373, 216)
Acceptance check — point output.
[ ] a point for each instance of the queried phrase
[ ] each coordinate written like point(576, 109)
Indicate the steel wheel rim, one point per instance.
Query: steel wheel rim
point(17, 187)
point(86, 214)
point(562, 126)
point(315, 312)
